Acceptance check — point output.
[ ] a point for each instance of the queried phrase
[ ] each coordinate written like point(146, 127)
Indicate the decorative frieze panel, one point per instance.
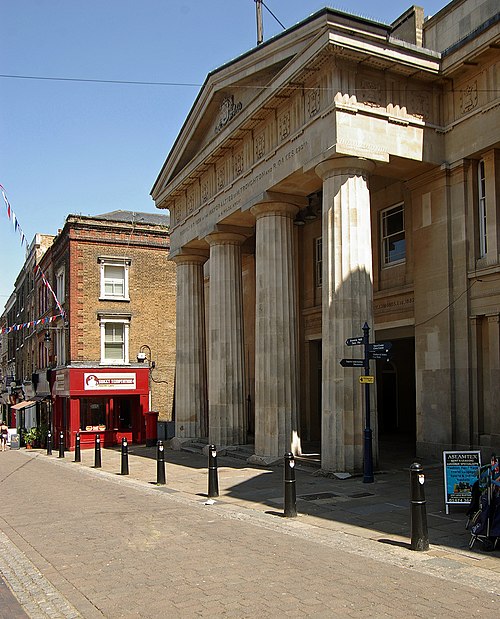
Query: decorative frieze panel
point(220, 176)
point(284, 126)
point(238, 162)
point(313, 101)
point(419, 103)
point(206, 187)
point(468, 97)
point(370, 92)
point(260, 145)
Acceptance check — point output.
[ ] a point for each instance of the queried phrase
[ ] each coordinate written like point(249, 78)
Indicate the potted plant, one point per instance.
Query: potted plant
point(30, 437)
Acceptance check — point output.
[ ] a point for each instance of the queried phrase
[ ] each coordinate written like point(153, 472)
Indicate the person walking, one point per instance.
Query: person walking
point(4, 434)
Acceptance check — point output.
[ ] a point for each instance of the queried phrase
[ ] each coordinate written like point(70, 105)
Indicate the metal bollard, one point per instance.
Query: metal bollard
point(418, 517)
point(61, 445)
point(160, 464)
point(124, 456)
point(97, 451)
point(49, 443)
point(78, 453)
point(290, 492)
point(213, 482)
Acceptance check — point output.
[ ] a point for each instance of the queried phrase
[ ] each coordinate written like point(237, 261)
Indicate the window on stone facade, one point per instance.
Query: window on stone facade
point(393, 238)
point(481, 180)
point(114, 279)
point(318, 262)
point(114, 341)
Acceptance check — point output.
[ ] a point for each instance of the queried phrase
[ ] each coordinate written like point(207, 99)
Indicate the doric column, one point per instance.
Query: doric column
point(347, 299)
point(191, 366)
point(226, 368)
point(276, 376)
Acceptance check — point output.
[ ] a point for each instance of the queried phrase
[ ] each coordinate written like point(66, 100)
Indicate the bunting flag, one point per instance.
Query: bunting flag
point(59, 306)
point(32, 323)
point(12, 216)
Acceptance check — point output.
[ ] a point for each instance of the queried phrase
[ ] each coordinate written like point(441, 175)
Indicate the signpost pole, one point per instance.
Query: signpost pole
point(368, 477)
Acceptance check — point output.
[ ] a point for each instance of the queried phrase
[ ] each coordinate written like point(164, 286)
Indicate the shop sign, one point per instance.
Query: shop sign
point(99, 381)
point(461, 469)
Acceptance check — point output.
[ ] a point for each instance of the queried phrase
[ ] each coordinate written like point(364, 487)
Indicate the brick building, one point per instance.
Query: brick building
point(111, 356)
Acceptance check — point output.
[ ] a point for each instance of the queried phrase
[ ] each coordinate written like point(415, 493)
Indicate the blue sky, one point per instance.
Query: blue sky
point(88, 148)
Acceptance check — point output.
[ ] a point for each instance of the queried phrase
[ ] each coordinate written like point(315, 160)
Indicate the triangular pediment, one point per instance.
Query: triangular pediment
point(231, 89)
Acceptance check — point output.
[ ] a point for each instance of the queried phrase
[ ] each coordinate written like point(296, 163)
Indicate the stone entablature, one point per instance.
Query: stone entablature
point(288, 137)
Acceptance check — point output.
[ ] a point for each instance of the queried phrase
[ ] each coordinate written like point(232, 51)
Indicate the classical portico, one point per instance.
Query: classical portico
point(308, 195)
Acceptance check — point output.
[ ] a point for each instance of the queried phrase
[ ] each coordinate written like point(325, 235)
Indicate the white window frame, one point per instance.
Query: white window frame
point(386, 238)
point(482, 215)
point(60, 286)
point(126, 326)
point(123, 263)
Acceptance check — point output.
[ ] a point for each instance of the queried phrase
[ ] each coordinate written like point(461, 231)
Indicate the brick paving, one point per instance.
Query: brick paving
point(93, 543)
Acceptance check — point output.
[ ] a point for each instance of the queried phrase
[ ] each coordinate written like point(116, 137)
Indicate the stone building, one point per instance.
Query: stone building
point(345, 171)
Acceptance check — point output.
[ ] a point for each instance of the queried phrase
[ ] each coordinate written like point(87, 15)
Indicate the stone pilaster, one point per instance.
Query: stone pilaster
point(492, 418)
point(226, 369)
point(191, 410)
point(276, 375)
point(347, 299)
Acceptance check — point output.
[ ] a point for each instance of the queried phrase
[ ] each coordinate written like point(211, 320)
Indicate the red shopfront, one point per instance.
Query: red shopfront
point(112, 402)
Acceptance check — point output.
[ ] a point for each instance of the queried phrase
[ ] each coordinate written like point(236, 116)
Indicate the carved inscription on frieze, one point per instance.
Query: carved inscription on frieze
point(394, 305)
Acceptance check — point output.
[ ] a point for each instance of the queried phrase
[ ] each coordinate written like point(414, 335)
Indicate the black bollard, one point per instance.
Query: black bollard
point(97, 458)
point(78, 453)
point(61, 445)
point(49, 443)
point(418, 517)
point(213, 482)
point(124, 456)
point(290, 492)
point(160, 464)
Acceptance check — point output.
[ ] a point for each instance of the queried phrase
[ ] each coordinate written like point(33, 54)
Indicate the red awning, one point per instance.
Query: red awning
point(23, 404)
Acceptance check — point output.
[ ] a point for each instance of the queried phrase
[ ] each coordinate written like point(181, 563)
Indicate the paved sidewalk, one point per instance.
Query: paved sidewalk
point(378, 511)
point(89, 542)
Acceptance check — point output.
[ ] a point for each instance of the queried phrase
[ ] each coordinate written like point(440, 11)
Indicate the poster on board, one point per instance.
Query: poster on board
point(461, 469)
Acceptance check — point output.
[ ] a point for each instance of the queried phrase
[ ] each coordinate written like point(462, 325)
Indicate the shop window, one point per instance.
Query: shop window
point(114, 341)
point(483, 238)
point(114, 278)
point(393, 240)
point(92, 412)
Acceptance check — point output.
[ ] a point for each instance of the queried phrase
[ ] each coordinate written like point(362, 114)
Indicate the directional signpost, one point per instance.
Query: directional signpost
point(376, 351)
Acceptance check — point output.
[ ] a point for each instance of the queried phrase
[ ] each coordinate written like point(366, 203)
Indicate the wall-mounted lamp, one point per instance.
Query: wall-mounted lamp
point(46, 339)
point(145, 353)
